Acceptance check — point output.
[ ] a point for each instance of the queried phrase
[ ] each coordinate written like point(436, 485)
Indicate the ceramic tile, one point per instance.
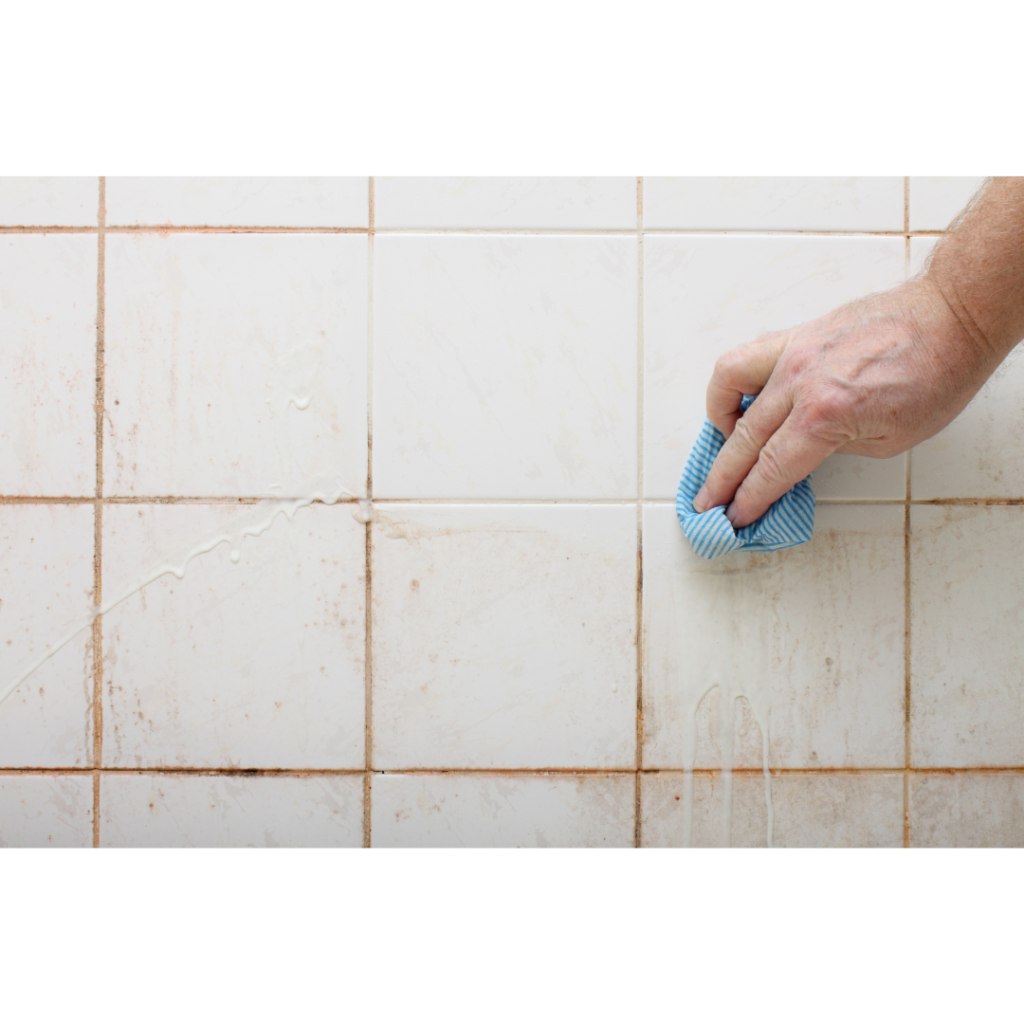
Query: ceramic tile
point(505, 367)
point(502, 810)
point(214, 345)
point(808, 810)
point(504, 636)
point(255, 664)
point(967, 810)
point(231, 810)
point(704, 295)
point(46, 579)
point(781, 204)
point(976, 455)
point(45, 811)
point(564, 203)
point(48, 387)
point(242, 202)
point(967, 702)
point(49, 202)
point(812, 637)
point(934, 202)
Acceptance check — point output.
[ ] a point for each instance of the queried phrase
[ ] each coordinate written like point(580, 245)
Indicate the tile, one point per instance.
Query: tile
point(45, 811)
point(256, 664)
point(809, 810)
point(934, 202)
point(810, 638)
point(214, 346)
point(705, 295)
point(502, 810)
point(777, 204)
point(231, 810)
point(504, 636)
point(46, 580)
point(48, 388)
point(239, 202)
point(49, 202)
point(967, 698)
point(505, 367)
point(967, 810)
point(564, 203)
point(978, 455)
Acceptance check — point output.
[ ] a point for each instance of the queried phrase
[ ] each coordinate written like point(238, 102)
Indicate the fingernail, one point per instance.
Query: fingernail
point(730, 513)
point(700, 503)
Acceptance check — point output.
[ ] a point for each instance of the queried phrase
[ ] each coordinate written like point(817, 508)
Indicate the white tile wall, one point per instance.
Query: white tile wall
point(46, 810)
point(548, 203)
point(48, 384)
point(977, 455)
point(704, 295)
point(984, 809)
point(781, 204)
point(503, 810)
point(254, 664)
point(505, 367)
point(253, 202)
point(43, 202)
point(966, 645)
point(140, 810)
point(467, 668)
point(821, 628)
point(46, 584)
point(934, 202)
point(207, 339)
point(809, 809)
point(504, 636)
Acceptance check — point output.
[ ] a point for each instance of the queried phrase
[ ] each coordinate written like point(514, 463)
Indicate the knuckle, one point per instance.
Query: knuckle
point(743, 437)
point(727, 364)
point(770, 466)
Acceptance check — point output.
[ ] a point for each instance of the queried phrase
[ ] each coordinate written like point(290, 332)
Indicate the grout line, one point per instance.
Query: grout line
point(254, 229)
point(17, 499)
point(368, 594)
point(229, 229)
point(97, 625)
point(637, 816)
point(96, 773)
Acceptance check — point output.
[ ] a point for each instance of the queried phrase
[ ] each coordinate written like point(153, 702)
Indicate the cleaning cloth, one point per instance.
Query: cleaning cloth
point(790, 521)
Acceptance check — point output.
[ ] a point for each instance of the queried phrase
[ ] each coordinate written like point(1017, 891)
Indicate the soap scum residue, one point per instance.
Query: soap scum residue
point(733, 593)
point(296, 378)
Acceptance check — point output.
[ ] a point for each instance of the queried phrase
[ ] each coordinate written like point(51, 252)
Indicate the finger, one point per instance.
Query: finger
point(791, 454)
point(743, 371)
point(741, 451)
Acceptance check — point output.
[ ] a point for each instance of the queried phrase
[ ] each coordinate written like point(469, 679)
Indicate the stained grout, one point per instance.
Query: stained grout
point(184, 770)
point(18, 499)
point(179, 229)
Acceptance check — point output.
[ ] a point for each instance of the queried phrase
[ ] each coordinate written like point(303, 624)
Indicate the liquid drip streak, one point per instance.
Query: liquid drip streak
point(254, 522)
point(735, 661)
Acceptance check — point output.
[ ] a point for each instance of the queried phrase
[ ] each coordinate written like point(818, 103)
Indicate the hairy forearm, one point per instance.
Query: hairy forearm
point(979, 268)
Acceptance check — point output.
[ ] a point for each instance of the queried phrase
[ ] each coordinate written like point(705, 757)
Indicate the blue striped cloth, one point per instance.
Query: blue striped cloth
point(790, 521)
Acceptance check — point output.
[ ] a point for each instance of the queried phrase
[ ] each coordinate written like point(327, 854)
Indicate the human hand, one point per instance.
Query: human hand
point(875, 378)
